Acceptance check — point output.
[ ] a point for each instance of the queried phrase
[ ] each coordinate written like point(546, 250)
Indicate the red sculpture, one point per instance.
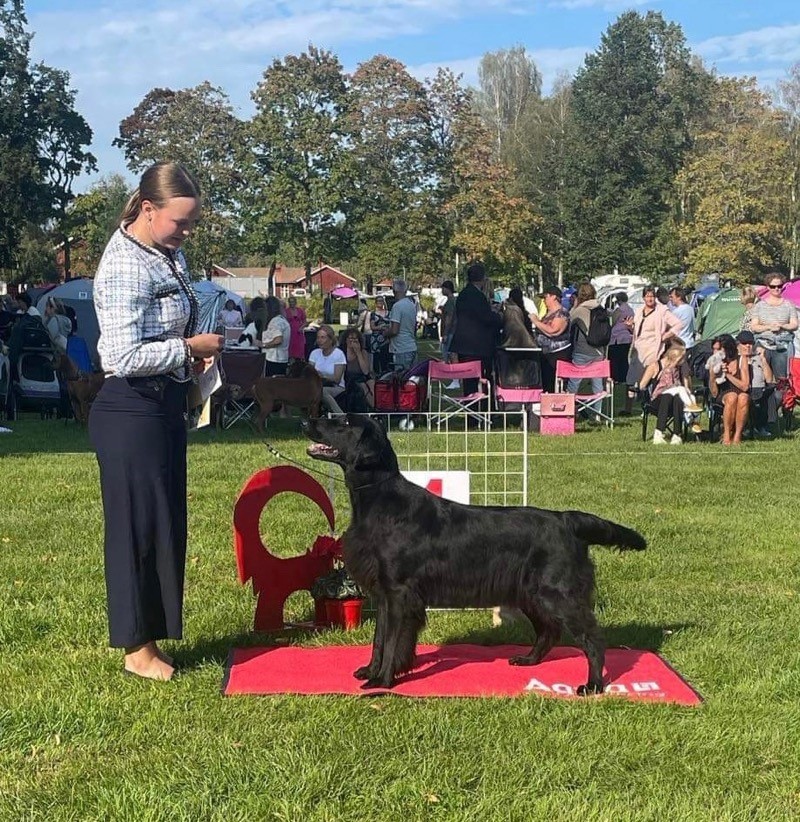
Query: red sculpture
point(275, 578)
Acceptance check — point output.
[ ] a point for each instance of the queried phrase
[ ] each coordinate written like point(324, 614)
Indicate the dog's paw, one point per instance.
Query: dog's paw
point(377, 683)
point(522, 660)
point(590, 689)
point(364, 672)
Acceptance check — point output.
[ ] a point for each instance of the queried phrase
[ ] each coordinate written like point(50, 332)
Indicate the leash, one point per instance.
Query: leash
point(274, 451)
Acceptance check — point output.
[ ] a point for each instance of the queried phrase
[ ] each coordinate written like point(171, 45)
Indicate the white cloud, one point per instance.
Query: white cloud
point(773, 44)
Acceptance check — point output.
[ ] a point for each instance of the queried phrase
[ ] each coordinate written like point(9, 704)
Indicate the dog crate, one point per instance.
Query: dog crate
point(557, 417)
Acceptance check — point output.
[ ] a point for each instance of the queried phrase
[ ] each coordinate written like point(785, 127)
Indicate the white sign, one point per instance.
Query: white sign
point(452, 485)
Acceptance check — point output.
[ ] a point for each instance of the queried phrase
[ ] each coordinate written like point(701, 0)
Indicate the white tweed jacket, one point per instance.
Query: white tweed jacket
point(145, 307)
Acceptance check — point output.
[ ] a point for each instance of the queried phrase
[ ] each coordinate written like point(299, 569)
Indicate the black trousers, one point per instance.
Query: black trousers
point(138, 430)
point(670, 405)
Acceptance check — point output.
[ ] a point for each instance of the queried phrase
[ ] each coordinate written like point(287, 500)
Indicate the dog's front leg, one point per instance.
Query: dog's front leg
point(371, 671)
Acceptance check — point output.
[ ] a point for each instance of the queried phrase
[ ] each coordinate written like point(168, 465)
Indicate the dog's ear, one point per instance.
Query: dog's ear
point(370, 451)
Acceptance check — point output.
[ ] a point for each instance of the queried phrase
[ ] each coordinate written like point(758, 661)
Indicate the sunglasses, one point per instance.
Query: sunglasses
point(775, 285)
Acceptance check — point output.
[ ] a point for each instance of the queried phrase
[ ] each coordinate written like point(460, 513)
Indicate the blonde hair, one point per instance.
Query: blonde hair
point(160, 183)
point(674, 354)
point(748, 295)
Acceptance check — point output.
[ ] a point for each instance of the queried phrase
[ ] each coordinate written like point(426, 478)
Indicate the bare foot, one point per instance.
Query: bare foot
point(164, 657)
point(146, 661)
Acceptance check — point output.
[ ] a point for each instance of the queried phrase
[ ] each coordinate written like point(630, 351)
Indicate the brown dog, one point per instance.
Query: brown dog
point(82, 388)
point(303, 389)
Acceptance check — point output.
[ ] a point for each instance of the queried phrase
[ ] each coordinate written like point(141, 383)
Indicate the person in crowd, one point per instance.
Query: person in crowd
point(621, 335)
point(25, 305)
point(148, 314)
point(275, 339)
point(358, 374)
point(733, 392)
point(748, 300)
point(57, 323)
point(477, 326)
point(583, 353)
point(669, 393)
point(685, 313)
point(762, 384)
point(230, 316)
point(447, 314)
point(552, 336)
point(773, 322)
point(401, 329)
point(653, 326)
point(515, 316)
point(296, 317)
point(330, 363)
point(662, 295)
point(377, 343)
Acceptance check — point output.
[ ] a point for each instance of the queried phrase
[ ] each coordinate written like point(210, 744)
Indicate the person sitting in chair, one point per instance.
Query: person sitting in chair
point(357, 374)
point(734, 392)
point(669, 394)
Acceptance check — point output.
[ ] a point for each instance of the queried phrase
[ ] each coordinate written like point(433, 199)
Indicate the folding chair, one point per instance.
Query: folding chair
point(239, 372)
point(443, 406)
point(517, 380)
point(585, 402)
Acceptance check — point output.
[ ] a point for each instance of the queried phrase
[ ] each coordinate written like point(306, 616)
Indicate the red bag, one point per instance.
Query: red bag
point(393, 394)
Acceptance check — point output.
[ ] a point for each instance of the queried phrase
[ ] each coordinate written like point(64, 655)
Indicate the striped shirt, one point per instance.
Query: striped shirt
point(145, 307)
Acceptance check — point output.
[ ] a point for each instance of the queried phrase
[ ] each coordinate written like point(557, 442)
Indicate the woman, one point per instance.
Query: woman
point(773, 322)
point(358, 374)
point(379, 345)
point(733, 392)
point(552, 336)
point(275, 339)
point(230, 316)
point(583, 352)
point(748, 300)
point(57, 323)
point(653, 326)
point(296, 317)
point(619, 346)
point(330, 363)
point(147, 312)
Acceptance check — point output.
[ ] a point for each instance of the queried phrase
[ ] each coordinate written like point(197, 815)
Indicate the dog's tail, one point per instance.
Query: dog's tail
point(597, 531)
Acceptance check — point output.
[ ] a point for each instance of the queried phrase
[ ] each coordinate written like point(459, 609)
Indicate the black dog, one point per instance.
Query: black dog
point(411, 549)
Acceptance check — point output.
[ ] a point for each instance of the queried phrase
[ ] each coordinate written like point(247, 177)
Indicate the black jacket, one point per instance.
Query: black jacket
point(477, 326)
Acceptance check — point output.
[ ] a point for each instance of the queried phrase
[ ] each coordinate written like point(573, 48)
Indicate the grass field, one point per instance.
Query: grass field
point(716, 594)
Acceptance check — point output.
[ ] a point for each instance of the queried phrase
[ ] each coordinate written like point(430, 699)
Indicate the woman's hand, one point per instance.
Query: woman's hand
point(205, 345)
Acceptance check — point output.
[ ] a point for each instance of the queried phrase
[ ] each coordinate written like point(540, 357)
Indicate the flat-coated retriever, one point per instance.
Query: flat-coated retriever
point(411, 549)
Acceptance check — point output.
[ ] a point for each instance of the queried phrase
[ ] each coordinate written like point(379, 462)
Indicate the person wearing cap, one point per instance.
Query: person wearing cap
point(477, 327)
point(552, 336)
point(447, 314)
point(734, 392)
point(762, 385)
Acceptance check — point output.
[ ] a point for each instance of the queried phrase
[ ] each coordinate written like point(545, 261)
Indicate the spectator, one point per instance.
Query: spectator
point(447, 312)
point(330, 363)
point(401, 329)
point(685, 313)
point(621, 335)
point(669, 395)
point(377, 344)
point(230, 316)
point(275, 339)
point(662, 295)
point(552, 336)
point(25, 305)
point(57, 323)
point(774, 321)
point(653, 326)
point(762, 385)
point(733, 392)
point(583, 353)
point(748, 300)
point(296, 317)
point(358, 375)
point(477, 327)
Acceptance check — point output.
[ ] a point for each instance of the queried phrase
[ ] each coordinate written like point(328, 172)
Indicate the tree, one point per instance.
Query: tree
point(734, 186)
point(389, 165)
point(510, 83)
point(42, 137)
point(633, 105)
point(197, 128)
point(297, 139)
point(789, 98)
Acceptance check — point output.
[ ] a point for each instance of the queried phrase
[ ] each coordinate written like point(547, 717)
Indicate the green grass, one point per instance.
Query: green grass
point(716, 594)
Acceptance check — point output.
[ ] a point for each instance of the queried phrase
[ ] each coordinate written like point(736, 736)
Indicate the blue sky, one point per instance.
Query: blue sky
point(117, 51)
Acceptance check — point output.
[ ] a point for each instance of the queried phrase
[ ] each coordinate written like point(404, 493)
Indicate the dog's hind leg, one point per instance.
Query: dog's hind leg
point(583, 626)
point(547, 634)
point(371, 671)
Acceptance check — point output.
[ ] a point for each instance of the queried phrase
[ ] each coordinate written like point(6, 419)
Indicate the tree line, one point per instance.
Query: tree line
point(644, 162)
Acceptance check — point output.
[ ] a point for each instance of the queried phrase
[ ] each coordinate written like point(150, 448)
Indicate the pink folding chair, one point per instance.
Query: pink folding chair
point(598, 404)
point(444, 405)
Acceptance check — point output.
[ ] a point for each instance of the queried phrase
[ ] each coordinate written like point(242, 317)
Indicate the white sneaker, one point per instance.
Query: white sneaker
point(676, 440)
point(658, 437)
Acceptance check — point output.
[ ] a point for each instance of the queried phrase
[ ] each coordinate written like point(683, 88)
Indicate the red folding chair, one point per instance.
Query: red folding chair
point(444, 405)
point(598, 403)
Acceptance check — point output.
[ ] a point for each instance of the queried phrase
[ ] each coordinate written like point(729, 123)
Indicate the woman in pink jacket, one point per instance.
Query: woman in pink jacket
point(652, 327)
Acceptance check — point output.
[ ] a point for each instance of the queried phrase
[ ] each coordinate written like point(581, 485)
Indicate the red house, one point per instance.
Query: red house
point(252, 281)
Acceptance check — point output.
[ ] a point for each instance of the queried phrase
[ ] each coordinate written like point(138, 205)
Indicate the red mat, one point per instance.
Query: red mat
point(454, 670)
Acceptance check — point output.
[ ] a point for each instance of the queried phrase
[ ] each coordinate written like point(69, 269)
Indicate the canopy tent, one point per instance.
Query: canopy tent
point(212, 298)
point(344, 292)
point(791, 291)
point(78, 295)
point(721, 313)
point(702, 293)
